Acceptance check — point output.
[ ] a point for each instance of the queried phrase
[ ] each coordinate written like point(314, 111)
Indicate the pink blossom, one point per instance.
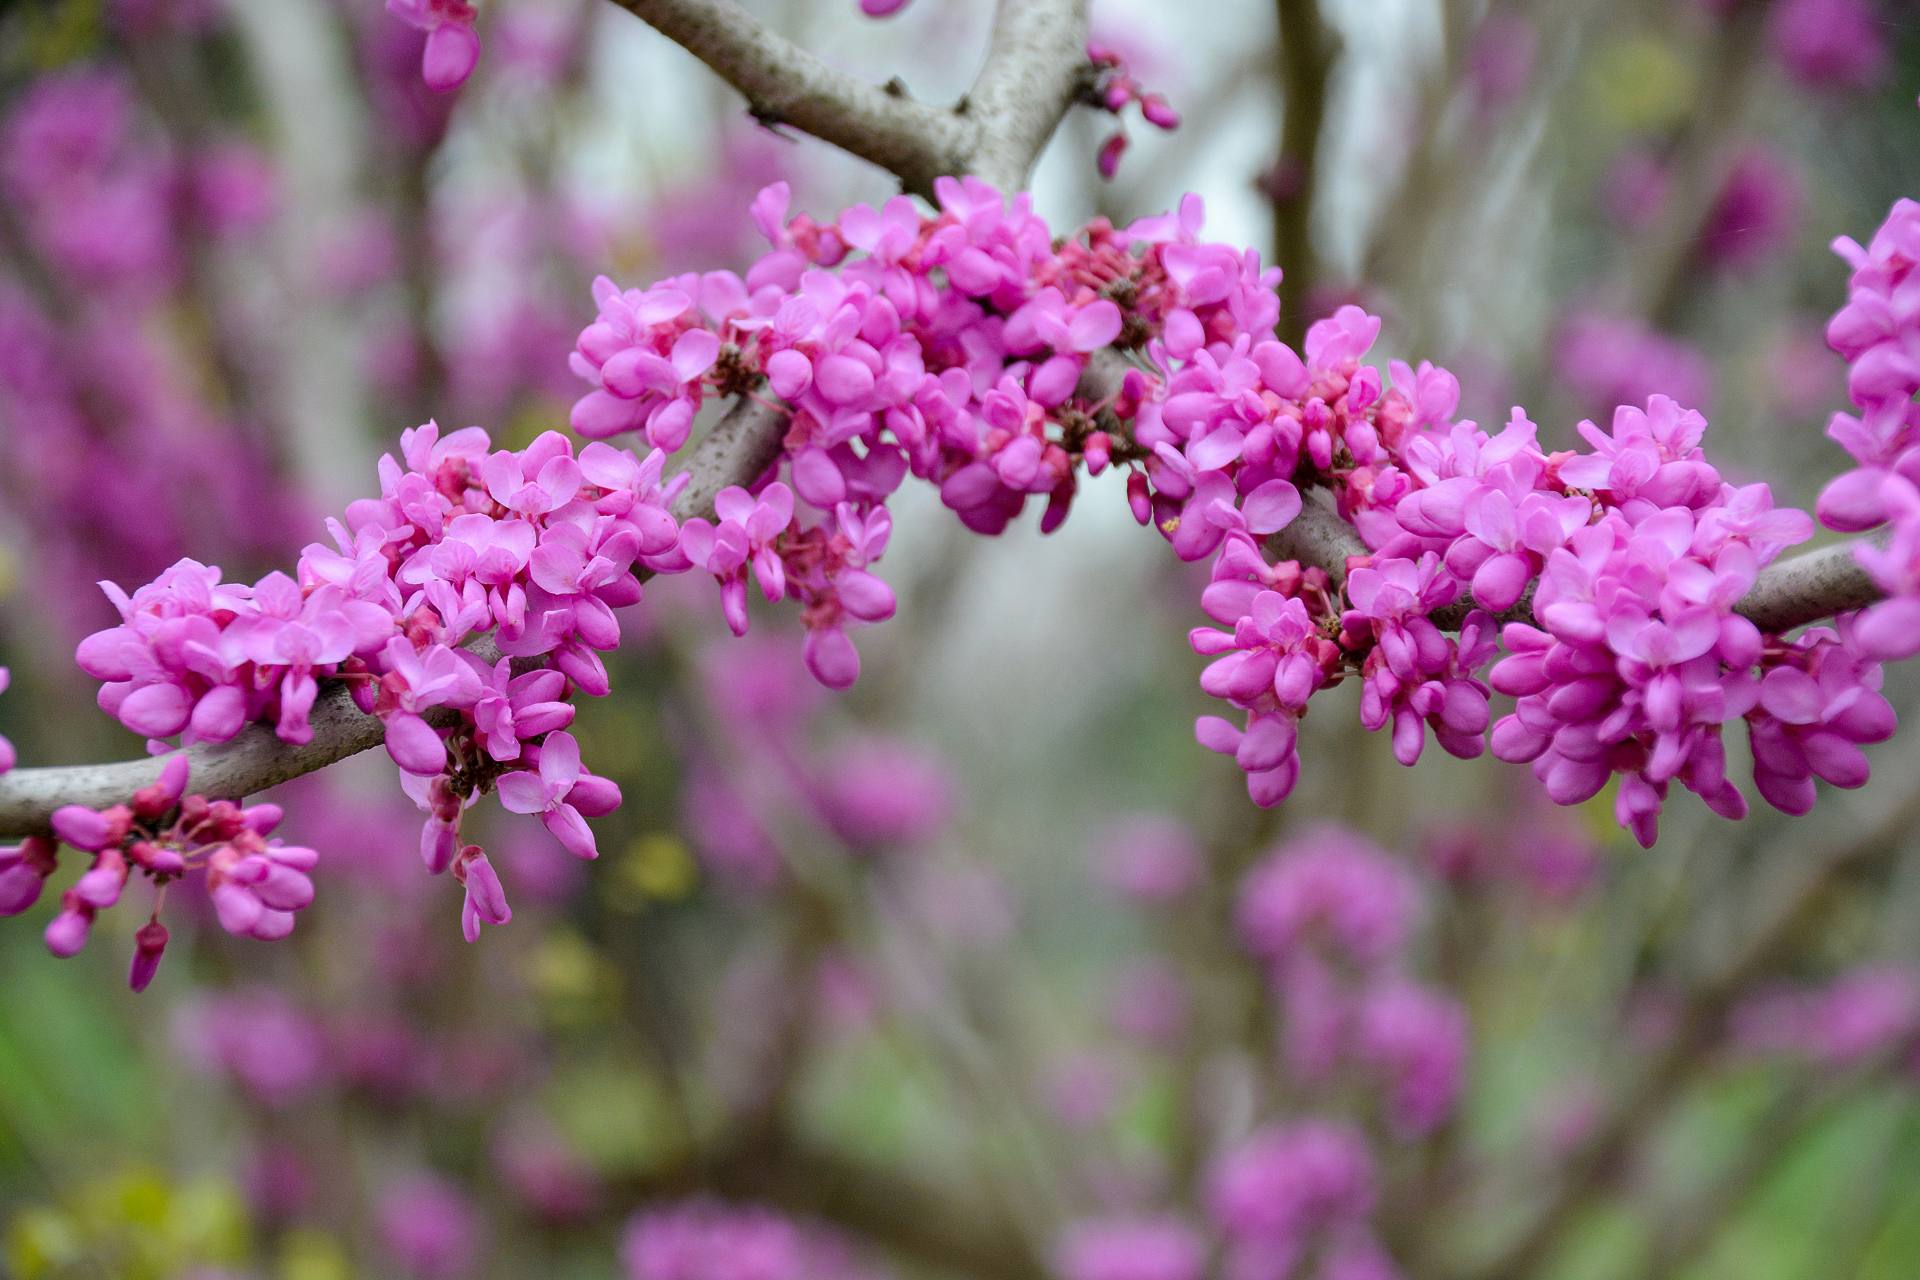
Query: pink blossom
point(431, 1230)
point(1131, 1249)
point(1284, 1184)
point(745, 535)
point(453, 47)
point(1418, 1040)
point(551, 793)
point(486, 901)
point(1828, 44)
point(1328, 885)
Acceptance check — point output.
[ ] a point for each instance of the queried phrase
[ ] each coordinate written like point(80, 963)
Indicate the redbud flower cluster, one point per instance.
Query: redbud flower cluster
point(163, 834)
point(1878, 331)
point(1635, 554)
point(949, 347)
point(957, 346)
point(534, 547)
point(709, 1240)
point(1331, 916)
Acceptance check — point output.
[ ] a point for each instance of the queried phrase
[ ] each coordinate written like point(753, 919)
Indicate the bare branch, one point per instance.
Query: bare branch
point(1305, 67)
point(1034, 69)
point(1701, 1021)
point(1036, 65)
point(1808, 587)
point(784, 84)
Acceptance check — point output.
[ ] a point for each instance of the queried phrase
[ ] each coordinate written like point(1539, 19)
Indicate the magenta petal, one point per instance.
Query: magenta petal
point(1217, 734)
point(571, 830)
point(239, 911)
point(522, 792)
point(157, 710)
point(1271, 507)
point(414, 745)
point(452, 51)
point(831, 657)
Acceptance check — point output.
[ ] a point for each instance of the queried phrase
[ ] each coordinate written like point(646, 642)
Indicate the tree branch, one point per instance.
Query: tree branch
point(784, 84)
point(1808, 587)
point(1305, 66)
point(1036, 65)
point(1590, 1167)
point(1032, 73)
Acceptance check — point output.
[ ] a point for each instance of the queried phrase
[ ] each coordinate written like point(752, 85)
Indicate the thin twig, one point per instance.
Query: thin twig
point(1592, 1165)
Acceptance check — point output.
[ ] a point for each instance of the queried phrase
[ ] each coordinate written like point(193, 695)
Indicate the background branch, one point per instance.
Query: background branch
point(784, 84)
point(1305, 66)
point(1036, 64)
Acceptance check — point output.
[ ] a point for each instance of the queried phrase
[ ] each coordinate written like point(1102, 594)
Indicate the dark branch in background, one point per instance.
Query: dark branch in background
point(1591, 1168)
point(914, 1218)
point(1305, 65)
point(1669, 254)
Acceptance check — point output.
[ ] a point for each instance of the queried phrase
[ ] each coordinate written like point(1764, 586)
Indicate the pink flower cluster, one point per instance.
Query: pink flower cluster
point(1848, 1021)
point(162, 833)
point(1830, 44)
point(1115, 88)
point(949, 347)
point(536, 547)
point(1330, 915)
point(1634, 554)
point(1131, 1249)
point(1878, 331)
point(957, 346)
point(709, 1240)
point(1639, 658)
point(1289, 1193)
point(453, 46)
